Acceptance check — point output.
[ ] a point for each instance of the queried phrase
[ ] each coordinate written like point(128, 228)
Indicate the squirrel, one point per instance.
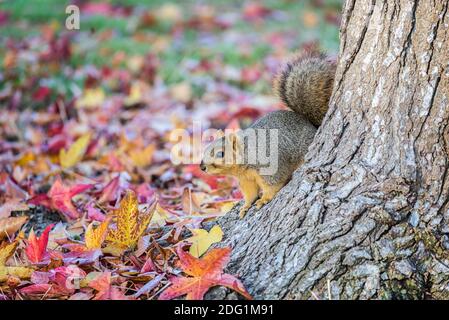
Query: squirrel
point(304, 85)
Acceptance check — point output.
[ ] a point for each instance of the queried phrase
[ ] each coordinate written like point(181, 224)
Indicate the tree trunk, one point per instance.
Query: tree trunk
point(367, 216)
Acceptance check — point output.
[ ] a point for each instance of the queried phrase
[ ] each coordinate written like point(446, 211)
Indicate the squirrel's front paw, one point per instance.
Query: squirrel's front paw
point(261, 202)
point(243, 211)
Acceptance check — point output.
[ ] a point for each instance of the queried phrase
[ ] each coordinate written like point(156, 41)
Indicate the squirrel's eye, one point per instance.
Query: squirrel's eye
point(220, 154)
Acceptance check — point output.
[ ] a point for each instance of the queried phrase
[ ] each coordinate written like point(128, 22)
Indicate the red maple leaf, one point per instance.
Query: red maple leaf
point(60, 198)
point(205, 273)
point(36, 250)
point(111, 191)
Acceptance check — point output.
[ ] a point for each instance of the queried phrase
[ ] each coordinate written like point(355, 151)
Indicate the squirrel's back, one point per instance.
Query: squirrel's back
point(305, 85)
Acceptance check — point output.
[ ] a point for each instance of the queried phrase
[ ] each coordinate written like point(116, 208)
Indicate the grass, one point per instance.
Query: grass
point(28, 16)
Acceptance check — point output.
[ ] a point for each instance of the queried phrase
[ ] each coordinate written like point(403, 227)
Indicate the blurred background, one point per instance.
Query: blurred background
point(187, 46)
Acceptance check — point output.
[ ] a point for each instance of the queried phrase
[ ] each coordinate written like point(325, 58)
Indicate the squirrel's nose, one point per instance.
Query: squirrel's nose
point(202, 166)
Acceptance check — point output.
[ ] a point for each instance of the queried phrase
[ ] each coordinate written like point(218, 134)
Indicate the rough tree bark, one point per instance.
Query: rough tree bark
point(367, 216)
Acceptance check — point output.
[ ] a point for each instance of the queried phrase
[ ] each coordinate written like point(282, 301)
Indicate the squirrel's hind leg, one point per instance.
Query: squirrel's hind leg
point(268, 193)
point(250, 191)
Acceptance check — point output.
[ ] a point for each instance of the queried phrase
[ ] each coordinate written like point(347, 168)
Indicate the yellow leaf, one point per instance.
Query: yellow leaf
point(114, 250)
point(6, 251)
point(202, 240)
point(94, 237)
point(26, 158)
point(159, 216)
point(142, 158)
point(9, 226)
point(131, 224)
point(135, 95)
point(92, 98)
point(75, 153)
point(21, 272)
point(227, 206)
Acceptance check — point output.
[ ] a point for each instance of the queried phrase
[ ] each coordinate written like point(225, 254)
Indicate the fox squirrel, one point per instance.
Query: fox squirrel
point(305, 85)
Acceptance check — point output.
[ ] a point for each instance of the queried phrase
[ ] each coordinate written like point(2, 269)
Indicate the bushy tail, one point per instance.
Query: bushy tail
point(305, 84)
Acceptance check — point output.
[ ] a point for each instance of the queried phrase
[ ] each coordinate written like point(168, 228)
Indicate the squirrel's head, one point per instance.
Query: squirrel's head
point(220, 156)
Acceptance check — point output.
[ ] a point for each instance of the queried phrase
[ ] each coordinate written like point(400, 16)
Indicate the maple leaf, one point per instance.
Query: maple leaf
point(60, 198)
point(110, 191)
point(9, 226)
point(75, 153)
point(202, 240)
point(95, 237)
point(92, 98)
point(105, 290)
point(6, 251)
point(160, 216)
point(205, 273)
point(135, 94)
point(131, 224)
point(142, 158)
point(37, 246)
point(61, 281)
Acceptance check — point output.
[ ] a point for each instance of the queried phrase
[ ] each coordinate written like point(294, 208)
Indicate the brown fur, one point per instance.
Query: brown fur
point(305, 86)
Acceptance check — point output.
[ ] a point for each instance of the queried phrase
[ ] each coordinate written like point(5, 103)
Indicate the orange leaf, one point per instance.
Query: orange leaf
point(37, 246)
point(142, 158)
point(95, 237)
point(60, 198)
point(9, 226)
point(205, 273)
point(105, 290)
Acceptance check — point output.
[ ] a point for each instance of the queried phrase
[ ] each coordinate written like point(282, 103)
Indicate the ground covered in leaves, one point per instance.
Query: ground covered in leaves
point(94, 203)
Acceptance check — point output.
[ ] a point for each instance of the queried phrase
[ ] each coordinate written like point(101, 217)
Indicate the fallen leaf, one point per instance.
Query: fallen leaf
point(13, 205)
point(149, 286)
point(94, 237)
point(91, 98)
point(21, 272)
point(60, 198)
point(135, 94)
point(105, 289)
point(36, 248)
point(110, 191)
point(131, 224)
point(204, 273)
point(10, 225)
point(142, 158)
point(75, 153)
point(182, 92)
point(160, 216)
point(202, 240)
point(6, 251)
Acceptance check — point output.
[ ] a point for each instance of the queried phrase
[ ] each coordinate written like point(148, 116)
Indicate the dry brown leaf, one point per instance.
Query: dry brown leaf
point(9, 226)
